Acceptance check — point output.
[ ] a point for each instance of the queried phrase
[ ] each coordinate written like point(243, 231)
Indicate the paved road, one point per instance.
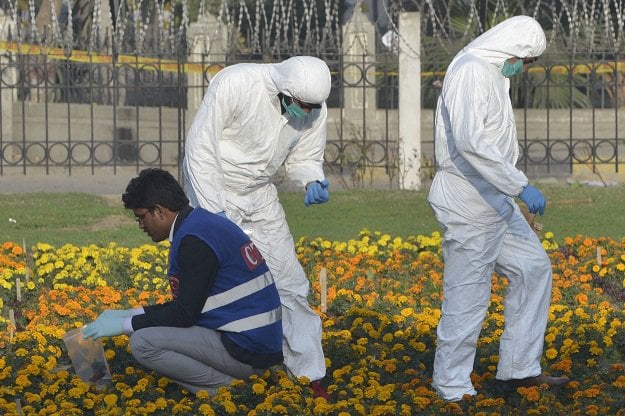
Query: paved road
point(98, 185)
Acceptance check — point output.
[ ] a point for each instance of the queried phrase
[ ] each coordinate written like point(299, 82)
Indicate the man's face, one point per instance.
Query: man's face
point(152, 222)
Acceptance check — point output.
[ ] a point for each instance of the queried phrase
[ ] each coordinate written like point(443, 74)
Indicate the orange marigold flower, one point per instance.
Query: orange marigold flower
point(531, 394)
point(619, 382)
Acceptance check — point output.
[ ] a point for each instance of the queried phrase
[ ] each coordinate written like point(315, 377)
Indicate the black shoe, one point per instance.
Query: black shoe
point(539, 380)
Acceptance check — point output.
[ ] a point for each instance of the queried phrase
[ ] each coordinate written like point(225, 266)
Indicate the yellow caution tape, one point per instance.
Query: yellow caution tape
point(140, 62)
point(170, 65)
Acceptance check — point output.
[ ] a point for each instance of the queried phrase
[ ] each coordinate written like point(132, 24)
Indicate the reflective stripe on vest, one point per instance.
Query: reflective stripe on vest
point(238, 292)
point(253, 322)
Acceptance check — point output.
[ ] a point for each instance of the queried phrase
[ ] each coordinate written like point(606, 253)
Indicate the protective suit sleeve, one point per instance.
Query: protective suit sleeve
point(467, 102)
point(304, 163)
point(204, 176)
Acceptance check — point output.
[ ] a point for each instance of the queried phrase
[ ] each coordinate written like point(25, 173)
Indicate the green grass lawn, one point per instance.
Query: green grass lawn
point(83, 219)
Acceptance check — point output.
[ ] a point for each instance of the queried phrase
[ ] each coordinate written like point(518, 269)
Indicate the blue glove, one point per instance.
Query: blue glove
point(108, 324)
point(534, 200)
point(118, 313)
point(317, 192)
point(222, 214)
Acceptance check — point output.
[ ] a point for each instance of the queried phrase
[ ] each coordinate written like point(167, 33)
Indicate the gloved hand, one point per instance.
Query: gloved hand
point(109, 324)
point(119, 313)
point(534, 200)
point(317, 192)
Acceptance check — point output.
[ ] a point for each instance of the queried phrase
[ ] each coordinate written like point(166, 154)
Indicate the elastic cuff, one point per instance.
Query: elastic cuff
point(127, 326)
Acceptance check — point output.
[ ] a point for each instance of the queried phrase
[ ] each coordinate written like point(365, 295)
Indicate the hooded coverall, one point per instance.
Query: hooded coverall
point(236, 144)
point(472, 196)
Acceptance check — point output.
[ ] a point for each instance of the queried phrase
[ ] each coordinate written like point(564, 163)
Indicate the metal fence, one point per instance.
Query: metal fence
point(81, 115)
point(568, 114)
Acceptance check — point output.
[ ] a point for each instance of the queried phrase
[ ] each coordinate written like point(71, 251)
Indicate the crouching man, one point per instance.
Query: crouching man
point(224, 322)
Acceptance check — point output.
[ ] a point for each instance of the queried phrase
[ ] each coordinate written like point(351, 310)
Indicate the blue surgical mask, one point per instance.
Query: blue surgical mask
point(509, 70)
point(294, 110)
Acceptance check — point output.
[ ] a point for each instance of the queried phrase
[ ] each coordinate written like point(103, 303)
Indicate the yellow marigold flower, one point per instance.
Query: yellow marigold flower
point(359, 349)
point(21, 352)
point(594, 350)
point(322, 407)
point(258, 388)
point(280, 409)
point(357, 379)
point(551, 353)
point(420, 346)
point(75, 392)
point(229, 407)
point(607, 340)
point(202, 394)
point(110, 400)
point(22, 381)
point(206, 410)
point(88, 403)
point(160, 403)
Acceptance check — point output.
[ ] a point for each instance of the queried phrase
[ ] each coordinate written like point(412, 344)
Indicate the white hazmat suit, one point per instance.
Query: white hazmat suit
point(236, 144)
point(472, 196)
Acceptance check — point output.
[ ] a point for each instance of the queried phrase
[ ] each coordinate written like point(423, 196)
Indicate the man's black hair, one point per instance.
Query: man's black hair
point(154, 186)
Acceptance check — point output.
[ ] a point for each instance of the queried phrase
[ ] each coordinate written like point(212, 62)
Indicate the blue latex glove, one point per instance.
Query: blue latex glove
point(534, 200)
point(121, 313)
point(109, 324)
point(317, 192)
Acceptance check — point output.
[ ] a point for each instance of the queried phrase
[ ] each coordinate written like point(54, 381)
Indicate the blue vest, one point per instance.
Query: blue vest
point(243, 302)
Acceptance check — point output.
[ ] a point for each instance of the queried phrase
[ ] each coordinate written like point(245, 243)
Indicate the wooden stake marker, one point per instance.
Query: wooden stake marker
point(599, 261)
point(11, 324)
point(323, 285)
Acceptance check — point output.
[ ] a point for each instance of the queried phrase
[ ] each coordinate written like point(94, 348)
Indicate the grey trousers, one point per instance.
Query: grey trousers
point(193, 357)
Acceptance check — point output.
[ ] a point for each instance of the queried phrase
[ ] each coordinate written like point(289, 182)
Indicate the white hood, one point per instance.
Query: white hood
point(304, 78)
point(518, 36)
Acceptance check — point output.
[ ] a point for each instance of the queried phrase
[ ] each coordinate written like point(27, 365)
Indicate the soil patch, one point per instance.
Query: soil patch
point(112, 221)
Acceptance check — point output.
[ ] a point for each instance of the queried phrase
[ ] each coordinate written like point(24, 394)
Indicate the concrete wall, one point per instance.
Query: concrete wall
point(153, 132)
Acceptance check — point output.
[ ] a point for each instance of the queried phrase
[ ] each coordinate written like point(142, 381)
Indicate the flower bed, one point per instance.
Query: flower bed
point(383, 297)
